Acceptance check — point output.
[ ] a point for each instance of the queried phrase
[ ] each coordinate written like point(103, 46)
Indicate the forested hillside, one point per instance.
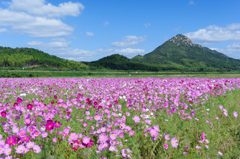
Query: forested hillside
point(27, 57)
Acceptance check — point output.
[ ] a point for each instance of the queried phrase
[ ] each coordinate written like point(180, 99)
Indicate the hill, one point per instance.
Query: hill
point(180, 53)
point(120, 62)
point(28, 57)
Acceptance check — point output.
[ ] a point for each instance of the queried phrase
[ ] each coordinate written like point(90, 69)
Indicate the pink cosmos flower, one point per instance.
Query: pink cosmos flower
point(121, 135)
point(127, 114)
point(198, 147)
point(225, 113)
point(235, 114)
point(113, 136)
point(165, 146)
point(174, 142)
point(7, 151)
point(131, 133)
point(20, 149)
point(165, 104)
point(36, 149)
point(174, 110)
point(220, 153)
point(103, 137)
point(136, 119)
point(185, 153)
point(220, 107)
point(167, 137)
point(54, 139)
point(153, 133)
point(86, 139)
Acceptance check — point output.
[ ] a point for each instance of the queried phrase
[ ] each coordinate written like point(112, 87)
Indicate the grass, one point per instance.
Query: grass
point(91, 74)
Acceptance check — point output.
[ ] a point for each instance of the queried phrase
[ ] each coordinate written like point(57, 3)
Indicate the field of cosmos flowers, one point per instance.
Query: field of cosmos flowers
point(119, 118)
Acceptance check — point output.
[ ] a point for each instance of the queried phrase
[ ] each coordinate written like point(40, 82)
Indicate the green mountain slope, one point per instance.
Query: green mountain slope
point(27, 57)
point(180, 52)
point(120, 62)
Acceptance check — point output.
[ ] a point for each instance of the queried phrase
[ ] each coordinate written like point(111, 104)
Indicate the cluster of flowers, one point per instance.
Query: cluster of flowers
point(103, 116)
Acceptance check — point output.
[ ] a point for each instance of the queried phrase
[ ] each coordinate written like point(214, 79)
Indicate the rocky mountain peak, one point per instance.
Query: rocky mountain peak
point(183, 40)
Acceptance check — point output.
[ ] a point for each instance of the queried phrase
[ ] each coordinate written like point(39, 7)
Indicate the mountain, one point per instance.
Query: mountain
point(178, 53)
point(28, 57)
point(120, 62)
point(181, 53)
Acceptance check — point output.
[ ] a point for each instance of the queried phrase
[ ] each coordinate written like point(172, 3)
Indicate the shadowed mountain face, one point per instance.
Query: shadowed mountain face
point(182, 52)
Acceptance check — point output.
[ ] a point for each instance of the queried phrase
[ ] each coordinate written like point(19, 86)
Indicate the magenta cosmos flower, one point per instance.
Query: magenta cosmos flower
point(136, 119)
point(165, 146)
point(57, 124)
point(49, 126)
point(11, 140)
point(174, 142)
point(29, 106)
point(3, 114)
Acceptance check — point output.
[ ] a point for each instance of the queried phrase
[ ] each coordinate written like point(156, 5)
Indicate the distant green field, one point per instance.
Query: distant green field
point(89, 74)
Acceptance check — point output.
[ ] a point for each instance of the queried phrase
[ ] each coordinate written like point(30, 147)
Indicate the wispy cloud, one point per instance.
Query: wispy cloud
point(213, 34)
point(106, 23)
point(232, 50)
point(129, 41)
point(191, 2)
point(177, 29)
point(2, 30)
point(147, 25)
point(56, 43)
point(61, 48)
point(89, 34)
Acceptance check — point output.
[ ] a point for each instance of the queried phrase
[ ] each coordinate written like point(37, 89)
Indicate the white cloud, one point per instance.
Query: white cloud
point(177, 29)
point(213, 34)
point(213, 48)
point(61, 48)
point(40, 8)
point(191, 2)
point(106, 23)
point(86, 55)
point(36, 17)
point(56, 43)
point(147, 25)
point(35, 43)
point(89, 34)
point(34, 26)
point(232, 50)
point(129, 41)
point(2, 30)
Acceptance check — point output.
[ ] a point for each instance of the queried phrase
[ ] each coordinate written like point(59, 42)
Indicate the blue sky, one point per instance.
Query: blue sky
point(88, 30)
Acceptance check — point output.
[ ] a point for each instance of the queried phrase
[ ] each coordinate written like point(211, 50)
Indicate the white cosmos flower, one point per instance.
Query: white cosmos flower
point(23, 94)
point(207, 109)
